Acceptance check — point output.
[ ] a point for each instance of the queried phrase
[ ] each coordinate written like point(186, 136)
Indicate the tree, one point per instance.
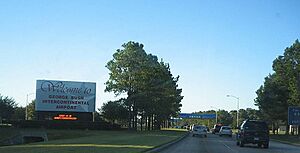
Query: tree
point(224, 117)
point(152, 91)
point(32, 115)
point(114, 111)
point(282, 88)
point(253, 114)
point(126, 71)
point(98, 116)
point(287, 68)
point(19, 113)
point(7, 106)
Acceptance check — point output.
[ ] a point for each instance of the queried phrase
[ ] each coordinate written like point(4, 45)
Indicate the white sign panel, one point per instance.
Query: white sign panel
point(67, 96)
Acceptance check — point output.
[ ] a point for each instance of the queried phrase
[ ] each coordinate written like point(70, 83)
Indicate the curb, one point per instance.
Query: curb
point(164, 146)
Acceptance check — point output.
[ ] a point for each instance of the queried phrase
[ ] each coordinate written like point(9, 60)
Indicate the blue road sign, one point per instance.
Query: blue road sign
point(294, 115)
point(197, 116)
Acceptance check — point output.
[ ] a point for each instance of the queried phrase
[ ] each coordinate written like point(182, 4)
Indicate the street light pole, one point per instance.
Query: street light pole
point(216, 114)
point(238, 108)
point(26, 109)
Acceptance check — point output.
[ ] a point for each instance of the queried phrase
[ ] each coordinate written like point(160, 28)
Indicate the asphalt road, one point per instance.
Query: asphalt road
point(216, 144)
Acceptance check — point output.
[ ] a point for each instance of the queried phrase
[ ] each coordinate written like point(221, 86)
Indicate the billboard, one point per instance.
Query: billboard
point(70, 96)
point(294, 115)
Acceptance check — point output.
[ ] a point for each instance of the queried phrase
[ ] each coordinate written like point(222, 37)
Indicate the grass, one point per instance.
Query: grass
point(174, 129)
point(78, 141)
point(289, 139)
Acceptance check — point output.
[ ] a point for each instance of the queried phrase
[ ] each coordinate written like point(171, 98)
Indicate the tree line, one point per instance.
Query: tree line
point(223, 117)
point(149, 94)
point(281, 88)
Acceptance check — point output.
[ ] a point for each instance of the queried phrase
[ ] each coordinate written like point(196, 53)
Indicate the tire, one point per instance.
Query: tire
point(266, 145)
point(237, 143)
point(259, 145)
point(242, 144)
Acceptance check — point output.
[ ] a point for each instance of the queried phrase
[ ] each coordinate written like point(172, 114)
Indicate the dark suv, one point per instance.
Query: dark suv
point(255, 132)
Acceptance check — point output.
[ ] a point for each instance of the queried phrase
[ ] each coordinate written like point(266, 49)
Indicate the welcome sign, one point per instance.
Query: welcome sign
point(54, 95)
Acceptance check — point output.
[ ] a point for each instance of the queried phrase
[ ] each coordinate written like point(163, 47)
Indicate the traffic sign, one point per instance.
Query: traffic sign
point(197, 116)
point(294, 115)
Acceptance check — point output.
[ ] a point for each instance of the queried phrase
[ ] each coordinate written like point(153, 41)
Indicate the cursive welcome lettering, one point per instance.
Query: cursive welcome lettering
point(60, 87)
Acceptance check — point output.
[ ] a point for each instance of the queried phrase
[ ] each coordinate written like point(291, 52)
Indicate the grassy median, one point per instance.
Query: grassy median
point(78, 141)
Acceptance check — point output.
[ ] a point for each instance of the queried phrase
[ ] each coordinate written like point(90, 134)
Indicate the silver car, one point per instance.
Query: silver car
point(199, 130)
point(225, 130)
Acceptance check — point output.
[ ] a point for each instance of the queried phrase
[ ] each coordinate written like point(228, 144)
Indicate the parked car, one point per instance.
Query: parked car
point(199, 130)
point(255, 132)
point(225, 130)
point(216, 128)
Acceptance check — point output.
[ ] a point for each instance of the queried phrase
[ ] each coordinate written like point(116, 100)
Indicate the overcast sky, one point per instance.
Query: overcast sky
point(216, 47)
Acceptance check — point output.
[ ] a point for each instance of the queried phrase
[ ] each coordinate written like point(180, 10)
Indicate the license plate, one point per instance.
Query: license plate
point(256, 139)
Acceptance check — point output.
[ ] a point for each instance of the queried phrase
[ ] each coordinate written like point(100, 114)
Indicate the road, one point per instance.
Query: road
point(216, 144)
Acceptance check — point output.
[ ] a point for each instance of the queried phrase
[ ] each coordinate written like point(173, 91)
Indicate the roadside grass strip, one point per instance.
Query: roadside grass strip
point(78, 141)
point(81, 145)
point(288, 139)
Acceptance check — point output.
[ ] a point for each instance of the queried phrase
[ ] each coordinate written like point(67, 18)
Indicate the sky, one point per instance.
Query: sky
point(216, 47)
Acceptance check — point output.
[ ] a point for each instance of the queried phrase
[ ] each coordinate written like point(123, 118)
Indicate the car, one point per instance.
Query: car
point(216, 128)
point(225, 130)
point(199, 130)
point(253, 131)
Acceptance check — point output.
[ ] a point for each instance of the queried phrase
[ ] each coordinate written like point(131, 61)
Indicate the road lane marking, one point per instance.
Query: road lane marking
point(228, 146)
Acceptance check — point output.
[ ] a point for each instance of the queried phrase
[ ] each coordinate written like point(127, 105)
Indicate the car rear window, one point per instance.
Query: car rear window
point(226, 128)
point(199, 127)
point(256, 125)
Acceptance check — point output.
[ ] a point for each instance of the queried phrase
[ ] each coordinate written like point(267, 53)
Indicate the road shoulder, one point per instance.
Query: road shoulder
point(167, 145)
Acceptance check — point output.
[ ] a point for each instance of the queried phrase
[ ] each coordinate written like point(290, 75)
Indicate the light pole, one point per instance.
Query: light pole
point(216, 114)
point(237, 111)
point(26, 109)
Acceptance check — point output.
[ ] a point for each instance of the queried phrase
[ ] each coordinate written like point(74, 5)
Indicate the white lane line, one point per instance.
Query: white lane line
point(228, 147)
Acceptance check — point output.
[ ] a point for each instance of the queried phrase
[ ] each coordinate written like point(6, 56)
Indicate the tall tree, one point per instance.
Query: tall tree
point(19, 113)
point(282, 88)
point(32, 115)
point(126, 69)
point(152, 91)
point(7, 106)
point(287, 67)
point(272, 99)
